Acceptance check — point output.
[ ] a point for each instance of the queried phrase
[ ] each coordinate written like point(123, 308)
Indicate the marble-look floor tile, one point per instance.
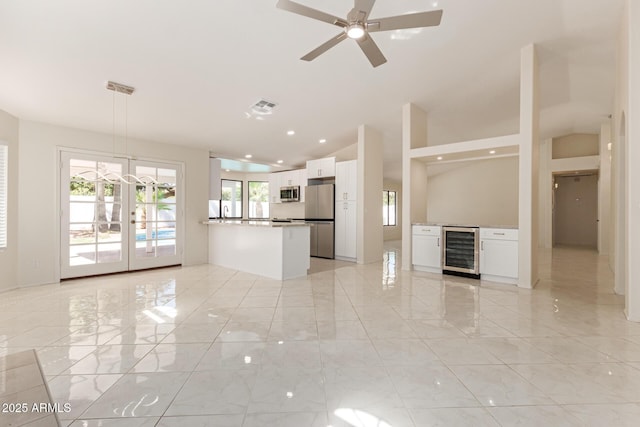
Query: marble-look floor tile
point(172, 358)
point(617, 348)
point(55, 360)
point(292, 354)
point(138, 395)
point(462, 351)
point(360, 386)
point(514, 351)
point(245, 332)
point(568, 350)
point(380, 416)
point(232, 356)
point(193, 333)
point(404, 352)
point(110, 359)
point(619, 415)
point(431, 387)
point(116, 422)
point(349, 353)
point(214, 392)
point(454, 417)
point(307, 419)
point(288, 390)
point(341, 330)
point(585, 382)
point(79, 391)
point(534, 416)
point(499, 385)
point(202, 421)
point(292, 331)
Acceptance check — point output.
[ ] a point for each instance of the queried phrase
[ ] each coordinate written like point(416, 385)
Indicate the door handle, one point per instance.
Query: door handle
point(133, 221)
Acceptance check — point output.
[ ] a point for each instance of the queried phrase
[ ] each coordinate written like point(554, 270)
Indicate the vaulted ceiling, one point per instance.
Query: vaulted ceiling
point(199, 65)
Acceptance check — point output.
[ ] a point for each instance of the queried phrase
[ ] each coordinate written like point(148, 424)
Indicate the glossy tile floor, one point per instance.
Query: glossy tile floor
point(351, 346)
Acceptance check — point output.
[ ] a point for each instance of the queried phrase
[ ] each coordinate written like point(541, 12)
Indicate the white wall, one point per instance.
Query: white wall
point(575, 145)
point(394, 232)
point(9, 256)
point(483, 192)
point(39, 193)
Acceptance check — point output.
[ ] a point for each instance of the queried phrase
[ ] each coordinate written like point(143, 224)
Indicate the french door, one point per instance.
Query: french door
point(118, 214)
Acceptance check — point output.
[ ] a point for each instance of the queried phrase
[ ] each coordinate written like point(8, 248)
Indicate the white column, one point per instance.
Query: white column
point(632, 160)
point(369, 232)
point(528, 169)
point(545, 200)
point(604, 189)
point(414, 176)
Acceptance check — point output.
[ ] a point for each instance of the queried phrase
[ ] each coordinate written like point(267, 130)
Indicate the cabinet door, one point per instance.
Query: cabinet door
point(341, 181)
point(499, 257)
point(351, 220)
point(426, 251)
point(341, 229)
point(352, 180)
point(274, 188)
point(302, 182)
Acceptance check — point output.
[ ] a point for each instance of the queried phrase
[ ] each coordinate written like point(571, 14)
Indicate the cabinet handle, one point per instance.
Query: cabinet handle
point(498, 234)
point(438, 242)
point(482, 245)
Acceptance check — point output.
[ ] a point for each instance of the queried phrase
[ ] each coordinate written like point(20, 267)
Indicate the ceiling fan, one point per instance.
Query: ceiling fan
point(357, 26)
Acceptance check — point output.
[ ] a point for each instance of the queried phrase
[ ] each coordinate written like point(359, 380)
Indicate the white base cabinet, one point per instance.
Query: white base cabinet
point(499, 255)
point(426, 245)
point(345, 232)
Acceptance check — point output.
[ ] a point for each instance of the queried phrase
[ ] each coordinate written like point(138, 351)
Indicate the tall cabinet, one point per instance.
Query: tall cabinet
point(345, 213)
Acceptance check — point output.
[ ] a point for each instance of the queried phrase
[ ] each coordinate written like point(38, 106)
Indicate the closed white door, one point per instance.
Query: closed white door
point(117, 215)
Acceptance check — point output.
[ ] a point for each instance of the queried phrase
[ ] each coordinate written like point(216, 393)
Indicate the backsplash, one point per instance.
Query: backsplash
point(286, 210)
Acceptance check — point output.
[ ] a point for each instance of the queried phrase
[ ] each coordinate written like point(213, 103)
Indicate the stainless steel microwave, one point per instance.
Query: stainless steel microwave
point(290, 194)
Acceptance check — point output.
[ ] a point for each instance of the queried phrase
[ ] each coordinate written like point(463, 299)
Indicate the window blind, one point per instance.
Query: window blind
point(4, 166)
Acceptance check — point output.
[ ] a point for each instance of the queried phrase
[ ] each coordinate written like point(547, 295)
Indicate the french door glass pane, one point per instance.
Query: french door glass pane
point(258, 199)
point(95, 212)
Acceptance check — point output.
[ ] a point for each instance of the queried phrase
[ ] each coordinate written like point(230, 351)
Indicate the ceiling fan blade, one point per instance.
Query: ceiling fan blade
point(413, 20)
point(364, 6)
point(310, 13)
point(324, 47)
point(371, 50)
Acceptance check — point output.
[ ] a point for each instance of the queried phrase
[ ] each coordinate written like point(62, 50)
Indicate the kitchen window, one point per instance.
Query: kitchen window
point(389, 208)
point(231, 203)
point(4, 169)
point(258, 199)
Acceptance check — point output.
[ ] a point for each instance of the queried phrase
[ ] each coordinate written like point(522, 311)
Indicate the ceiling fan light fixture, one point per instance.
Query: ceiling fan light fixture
point(355, 31)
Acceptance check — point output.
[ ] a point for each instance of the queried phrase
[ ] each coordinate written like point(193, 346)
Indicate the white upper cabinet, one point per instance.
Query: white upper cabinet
point(347, 180)
point(321, 168)
point(293, 178)
point(274, 188)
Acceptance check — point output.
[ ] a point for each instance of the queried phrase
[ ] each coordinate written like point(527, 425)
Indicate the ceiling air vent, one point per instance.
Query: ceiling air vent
point(263, 107)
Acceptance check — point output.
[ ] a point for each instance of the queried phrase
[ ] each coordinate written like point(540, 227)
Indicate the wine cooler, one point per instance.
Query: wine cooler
point(461, 251)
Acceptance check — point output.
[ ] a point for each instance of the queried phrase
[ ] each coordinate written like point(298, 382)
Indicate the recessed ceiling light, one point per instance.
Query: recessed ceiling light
point(227, 170)
point(492, 152)
point(434, 4)
point(322, 141)
point(439, 157)
point(280, 162)
point(248, 156)
point(291, 132)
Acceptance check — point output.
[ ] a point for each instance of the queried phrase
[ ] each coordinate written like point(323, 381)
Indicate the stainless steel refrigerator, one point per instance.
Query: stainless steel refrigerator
point(319, 202)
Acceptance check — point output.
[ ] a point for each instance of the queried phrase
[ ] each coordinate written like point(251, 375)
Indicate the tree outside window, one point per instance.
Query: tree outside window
point(389, 208)
point(258, 199)
point(231, 199)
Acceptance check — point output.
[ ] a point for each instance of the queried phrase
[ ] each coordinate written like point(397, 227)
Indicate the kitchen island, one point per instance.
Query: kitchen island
point(278, 250)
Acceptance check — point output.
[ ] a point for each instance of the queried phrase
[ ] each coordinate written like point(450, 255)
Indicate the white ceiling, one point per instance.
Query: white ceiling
point(198, 65)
